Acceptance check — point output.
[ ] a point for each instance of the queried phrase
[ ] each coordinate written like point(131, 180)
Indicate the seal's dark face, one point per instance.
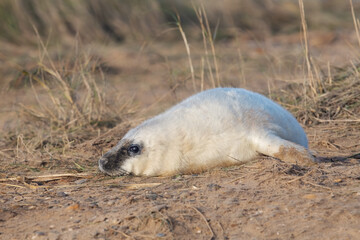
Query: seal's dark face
point(112, 161)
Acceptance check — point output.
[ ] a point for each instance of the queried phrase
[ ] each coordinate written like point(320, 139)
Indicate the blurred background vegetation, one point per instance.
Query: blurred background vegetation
point(129, 20)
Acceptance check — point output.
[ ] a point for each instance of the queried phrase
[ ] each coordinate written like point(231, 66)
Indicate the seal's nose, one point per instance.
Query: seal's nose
point(109, 161)
point(102, 164)
point(103, 161)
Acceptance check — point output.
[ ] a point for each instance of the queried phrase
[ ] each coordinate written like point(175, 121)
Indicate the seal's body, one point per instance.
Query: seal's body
point(218, 127)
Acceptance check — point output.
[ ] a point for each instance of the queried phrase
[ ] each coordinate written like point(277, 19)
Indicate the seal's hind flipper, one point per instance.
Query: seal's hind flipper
point(284, 150)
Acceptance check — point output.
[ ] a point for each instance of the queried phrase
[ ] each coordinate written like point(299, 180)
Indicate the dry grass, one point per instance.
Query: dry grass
point(310, 68)
point(112, 20)
point(183, 35)
point(323, 98)
point(71, 106)
point(101, 20)
point(338, 103)
point(208, 38)
point(211, 67)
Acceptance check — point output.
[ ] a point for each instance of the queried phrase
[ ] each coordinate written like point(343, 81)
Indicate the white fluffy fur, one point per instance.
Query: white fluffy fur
point(222, 126)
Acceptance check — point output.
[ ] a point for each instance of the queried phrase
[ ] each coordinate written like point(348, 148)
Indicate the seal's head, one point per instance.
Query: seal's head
point(117, 161)
point(140, 152)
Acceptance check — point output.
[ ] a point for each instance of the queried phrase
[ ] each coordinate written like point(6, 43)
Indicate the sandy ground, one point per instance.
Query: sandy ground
point(263, 199)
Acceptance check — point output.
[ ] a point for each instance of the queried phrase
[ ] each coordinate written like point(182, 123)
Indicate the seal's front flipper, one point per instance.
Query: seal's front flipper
point(284, 150)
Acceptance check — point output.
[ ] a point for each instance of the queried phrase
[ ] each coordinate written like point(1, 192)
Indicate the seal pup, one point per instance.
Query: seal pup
point(217, 127)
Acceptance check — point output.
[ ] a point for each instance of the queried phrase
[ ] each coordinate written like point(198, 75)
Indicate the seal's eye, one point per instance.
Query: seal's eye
point(133, 150)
